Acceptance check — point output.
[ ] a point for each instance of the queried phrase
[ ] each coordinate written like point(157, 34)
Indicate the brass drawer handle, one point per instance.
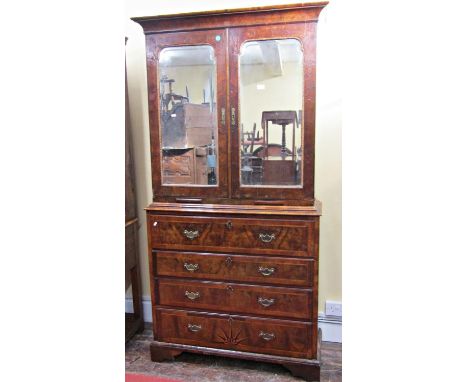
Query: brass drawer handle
point(192, 295)
point(194, 328)
point(266, 237)
point(266, 336)
point(266, 301)
point(189, 234)
point(191, 267)
point(266, 271)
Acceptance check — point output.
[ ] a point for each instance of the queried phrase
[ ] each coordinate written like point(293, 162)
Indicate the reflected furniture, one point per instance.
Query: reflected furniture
point(279, 168)
point(133, 321)
point(234, 252)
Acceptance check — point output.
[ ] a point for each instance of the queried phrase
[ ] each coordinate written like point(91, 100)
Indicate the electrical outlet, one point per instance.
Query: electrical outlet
point(333, 308)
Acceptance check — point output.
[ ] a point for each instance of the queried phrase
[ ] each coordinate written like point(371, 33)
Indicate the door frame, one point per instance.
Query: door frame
point(305, 32)
point(216, 38)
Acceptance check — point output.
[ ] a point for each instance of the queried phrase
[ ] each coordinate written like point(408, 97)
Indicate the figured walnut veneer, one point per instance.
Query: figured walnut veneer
point(234, 270)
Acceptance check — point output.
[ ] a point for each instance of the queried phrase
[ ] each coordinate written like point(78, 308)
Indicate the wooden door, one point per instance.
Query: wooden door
point(272, 111)
point(187, 102)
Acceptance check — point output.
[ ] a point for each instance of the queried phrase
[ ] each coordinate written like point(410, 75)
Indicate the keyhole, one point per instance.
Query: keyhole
point(228, 261)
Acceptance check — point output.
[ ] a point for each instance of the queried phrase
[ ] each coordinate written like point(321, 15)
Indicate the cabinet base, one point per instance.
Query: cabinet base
point(308, 369)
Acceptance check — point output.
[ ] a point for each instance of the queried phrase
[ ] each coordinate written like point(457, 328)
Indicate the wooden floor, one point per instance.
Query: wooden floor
point(202, 368)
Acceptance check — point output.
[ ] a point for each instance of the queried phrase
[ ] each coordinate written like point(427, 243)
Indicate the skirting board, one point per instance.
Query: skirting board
point(331, 326)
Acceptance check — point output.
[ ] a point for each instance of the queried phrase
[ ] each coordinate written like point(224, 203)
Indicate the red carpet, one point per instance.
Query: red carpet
point(146, 378)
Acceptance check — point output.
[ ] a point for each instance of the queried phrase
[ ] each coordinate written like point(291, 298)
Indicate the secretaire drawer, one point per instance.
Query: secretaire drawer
point(258, 269)
point(235, 298)
point(262, 236)
point(280, 337)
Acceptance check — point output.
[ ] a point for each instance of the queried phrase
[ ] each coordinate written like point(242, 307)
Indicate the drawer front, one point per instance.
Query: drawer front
point(277, 337)
point(258, 269)
point(235, 298)
point(262, 236)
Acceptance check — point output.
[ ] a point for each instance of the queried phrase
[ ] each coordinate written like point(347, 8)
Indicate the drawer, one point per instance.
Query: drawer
point(277, 337)
point(235, 298)
point(252, 236)
point(257, 269)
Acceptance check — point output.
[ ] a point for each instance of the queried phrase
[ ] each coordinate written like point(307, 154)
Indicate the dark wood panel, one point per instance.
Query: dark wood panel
point(262, 236)
point(235, 298)
point(279, 337)
point(258, 269)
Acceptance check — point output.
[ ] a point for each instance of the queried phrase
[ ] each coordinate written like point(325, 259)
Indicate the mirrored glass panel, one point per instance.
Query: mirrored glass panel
point(188, 128)
point(271, 77)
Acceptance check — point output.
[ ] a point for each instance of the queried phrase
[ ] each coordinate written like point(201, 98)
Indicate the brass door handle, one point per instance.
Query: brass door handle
point(266, 237)
point(233, 116)
point(189, 234)
point(194, 328)
point(191, 267)
point(266, 271)
point(266, 301)
point(266, 336)
point(192, 295)
point(223, 116)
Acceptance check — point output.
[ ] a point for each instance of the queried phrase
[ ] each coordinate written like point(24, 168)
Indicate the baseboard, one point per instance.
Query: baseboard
point(147, 312)
point(331, 326)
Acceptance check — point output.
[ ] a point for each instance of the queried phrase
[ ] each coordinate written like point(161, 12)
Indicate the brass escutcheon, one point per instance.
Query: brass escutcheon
point(228, 262)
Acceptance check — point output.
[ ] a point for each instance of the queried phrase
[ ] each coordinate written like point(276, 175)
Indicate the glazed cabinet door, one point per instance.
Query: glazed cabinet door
point(187, 107)
point(272, 111)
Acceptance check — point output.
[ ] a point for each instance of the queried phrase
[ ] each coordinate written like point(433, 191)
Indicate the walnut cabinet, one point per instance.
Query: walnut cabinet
point(234, 224)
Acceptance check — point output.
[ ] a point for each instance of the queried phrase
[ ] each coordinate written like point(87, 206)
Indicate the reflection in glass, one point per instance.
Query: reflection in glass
point(271, 79)
point(189, 137)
